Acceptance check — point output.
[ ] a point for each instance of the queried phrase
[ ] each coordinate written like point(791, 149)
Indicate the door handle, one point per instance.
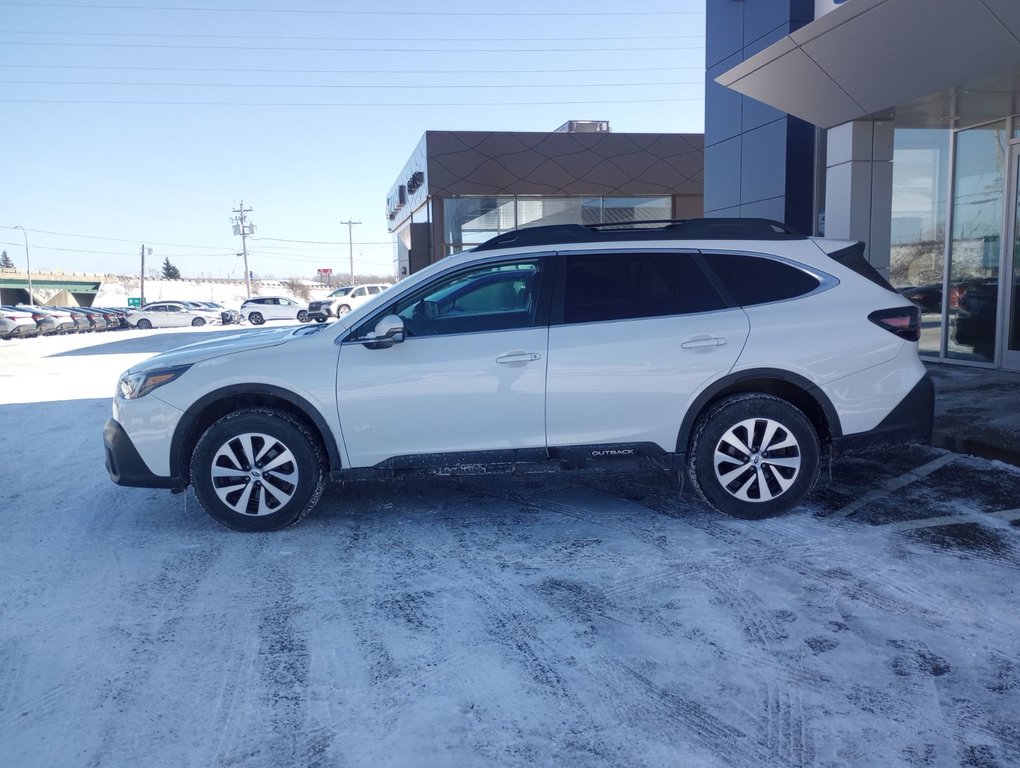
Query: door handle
point(518, 357)
point(705, 341)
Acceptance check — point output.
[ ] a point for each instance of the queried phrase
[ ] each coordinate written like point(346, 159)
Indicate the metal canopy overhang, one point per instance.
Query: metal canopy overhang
point(943, 63)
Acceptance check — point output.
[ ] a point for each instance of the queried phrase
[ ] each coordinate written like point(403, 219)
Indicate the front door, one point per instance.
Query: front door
point(1011, 275)
point(469, 376)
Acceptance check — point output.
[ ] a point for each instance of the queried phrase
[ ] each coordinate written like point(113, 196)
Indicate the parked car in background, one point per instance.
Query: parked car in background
point(167, 314)
point(227, 316)
point(116, 316)
point(50, 320)
point(16, 323)
point(259, 309)
point(343, 300)
point(927, 297)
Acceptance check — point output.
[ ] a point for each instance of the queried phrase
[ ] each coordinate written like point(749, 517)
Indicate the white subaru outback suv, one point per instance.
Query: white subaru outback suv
point(733, 351)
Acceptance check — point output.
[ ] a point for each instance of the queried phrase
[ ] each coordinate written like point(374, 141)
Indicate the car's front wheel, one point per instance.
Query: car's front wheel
point(258, 469)
point(144, 324)
point(198, 322)
point(342, 310)
point(753, 455)
point(255, 318)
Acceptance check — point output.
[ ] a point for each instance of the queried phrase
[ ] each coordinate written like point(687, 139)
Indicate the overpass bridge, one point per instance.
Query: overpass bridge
point(81, 286)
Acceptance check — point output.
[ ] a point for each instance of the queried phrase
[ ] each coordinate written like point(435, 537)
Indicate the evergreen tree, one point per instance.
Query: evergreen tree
point(5, 261)
point(170, 272)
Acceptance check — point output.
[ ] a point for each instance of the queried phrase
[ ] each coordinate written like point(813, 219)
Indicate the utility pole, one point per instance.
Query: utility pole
point(28, 264)
point(243, 229)
point(350, 239)
point(141, 289)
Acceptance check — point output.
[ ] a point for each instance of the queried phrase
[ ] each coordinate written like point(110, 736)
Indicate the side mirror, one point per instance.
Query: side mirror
point(388, 331)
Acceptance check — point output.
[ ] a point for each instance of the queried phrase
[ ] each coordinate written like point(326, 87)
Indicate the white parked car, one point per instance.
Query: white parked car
point(259, 309)
point(343, 300)
point(16, 323)
point(169, 314)
point(733, 352)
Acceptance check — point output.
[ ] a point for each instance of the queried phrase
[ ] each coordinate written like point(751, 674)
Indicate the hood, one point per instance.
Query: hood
point(224, 345)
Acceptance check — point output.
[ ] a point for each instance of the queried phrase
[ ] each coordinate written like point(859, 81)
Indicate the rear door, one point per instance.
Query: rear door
point(634, 337)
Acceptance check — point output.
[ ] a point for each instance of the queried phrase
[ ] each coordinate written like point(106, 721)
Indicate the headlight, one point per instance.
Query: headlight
point(134, 385)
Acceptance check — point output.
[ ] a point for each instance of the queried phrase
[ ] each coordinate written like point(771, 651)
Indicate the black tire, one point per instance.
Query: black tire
point(198, 322)
point(255, 318)
point(245, 497)
point(302, 315)
point(777, 467)
point(144, 324)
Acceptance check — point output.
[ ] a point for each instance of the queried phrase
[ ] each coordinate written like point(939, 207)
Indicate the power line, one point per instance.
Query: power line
point(356, 86)
point(346, 12)
point(374, 71)
point(308, 49)
point(335, 38)
point(557, 102)
point(123, 240)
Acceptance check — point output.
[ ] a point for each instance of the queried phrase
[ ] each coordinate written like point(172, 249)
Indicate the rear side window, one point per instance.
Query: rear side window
point(602, 287)
point(757, 280)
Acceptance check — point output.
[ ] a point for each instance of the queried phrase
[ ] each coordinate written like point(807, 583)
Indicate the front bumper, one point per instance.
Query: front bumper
point(911, 421)
point(125, 464)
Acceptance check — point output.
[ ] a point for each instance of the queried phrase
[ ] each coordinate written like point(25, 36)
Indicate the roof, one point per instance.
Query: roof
point(944, 63)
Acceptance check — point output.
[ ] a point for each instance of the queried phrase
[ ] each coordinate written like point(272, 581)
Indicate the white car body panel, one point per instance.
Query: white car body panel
point(438, 394)
point(632, 380)
point(862, 398)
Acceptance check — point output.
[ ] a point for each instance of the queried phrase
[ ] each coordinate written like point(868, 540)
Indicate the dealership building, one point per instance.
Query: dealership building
point(460, 188)
point(895, 122)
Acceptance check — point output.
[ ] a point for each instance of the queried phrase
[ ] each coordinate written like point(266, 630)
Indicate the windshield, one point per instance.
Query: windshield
point(342, 291)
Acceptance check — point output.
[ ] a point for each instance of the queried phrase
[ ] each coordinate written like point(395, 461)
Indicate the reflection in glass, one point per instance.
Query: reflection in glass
point(1014, 320)
point(918, 242)
point(975, 251)
point(470, 221)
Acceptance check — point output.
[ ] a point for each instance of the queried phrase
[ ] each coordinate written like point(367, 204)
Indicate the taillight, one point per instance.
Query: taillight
point(905, 322)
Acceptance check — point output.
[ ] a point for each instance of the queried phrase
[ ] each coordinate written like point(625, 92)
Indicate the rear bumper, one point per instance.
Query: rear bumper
point(125, 464)
point(911, 421)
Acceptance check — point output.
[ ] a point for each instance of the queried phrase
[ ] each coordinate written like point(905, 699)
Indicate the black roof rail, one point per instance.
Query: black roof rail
point(669, 229)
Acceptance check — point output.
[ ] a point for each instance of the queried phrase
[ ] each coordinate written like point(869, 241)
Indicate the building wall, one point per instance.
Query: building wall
point(758, 161)
point(501, 164)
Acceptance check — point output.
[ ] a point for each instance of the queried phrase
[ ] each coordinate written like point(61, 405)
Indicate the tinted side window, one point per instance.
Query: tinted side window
point(620, 286)
point(757, 280)
point(487, 298)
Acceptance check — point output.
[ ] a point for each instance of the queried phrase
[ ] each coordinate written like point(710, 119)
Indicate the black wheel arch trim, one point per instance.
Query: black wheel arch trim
point(742, 381)
point(186, 433)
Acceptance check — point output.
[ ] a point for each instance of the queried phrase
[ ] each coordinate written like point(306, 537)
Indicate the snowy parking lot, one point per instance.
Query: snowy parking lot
point(544, 621)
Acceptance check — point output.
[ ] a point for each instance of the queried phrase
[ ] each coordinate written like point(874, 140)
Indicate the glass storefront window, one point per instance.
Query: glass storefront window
point(918, 233)
point(473, 220)
point(975, 249)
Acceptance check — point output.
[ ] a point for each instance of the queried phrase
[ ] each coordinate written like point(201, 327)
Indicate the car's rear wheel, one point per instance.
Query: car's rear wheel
point(258, 469)
point(255, 318)
point(198, 322)
point(144, 324)
point(302, 316)
point(753, 455)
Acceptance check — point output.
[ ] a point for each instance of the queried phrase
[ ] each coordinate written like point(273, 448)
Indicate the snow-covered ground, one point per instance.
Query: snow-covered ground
point(556, 621)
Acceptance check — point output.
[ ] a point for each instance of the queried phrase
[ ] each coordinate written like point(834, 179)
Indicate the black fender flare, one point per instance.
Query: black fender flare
point(770, 381)
point(239, 396)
